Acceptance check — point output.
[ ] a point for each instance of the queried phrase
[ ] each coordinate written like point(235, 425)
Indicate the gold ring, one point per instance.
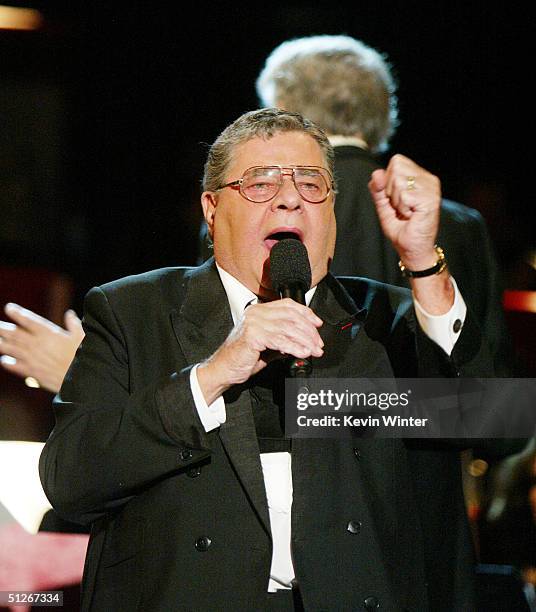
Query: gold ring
point(32, 382)
point(410, 183)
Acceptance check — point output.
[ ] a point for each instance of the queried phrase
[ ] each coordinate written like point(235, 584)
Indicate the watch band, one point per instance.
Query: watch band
point(437, 268)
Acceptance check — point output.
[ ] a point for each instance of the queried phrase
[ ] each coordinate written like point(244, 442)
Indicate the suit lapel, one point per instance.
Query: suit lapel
point(204, 319)
point(343, 320)
point(201, 326)
point(239, 439)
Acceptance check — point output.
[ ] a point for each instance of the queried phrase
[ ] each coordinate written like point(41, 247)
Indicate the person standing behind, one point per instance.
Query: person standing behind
point(348, 89)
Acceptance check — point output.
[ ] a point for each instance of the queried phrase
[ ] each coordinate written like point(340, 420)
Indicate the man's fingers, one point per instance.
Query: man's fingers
point(74, 325)
point(281, 312)
point(300, 331)
point(20, 368)
point(403, 187)
point(378, 190)
point(12, 349)
point(266, 331)
point(28, 319)
point(71, 321)
point(7, 328)
point(9, 332)
point(291, 308)
point(378, 181)
point(283, 327)
point(293, 346)
point(401, 174)
point(386, 212)
point(292, 339)
point(404, 202)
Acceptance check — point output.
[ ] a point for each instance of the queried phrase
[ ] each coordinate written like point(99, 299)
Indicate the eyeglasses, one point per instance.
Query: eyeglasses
point(261, 183)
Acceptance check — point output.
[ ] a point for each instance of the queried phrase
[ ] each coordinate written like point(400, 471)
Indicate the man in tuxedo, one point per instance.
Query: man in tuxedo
point(348, 89)
point(169, 439)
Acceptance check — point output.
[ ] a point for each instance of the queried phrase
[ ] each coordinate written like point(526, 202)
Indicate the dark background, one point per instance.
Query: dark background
point(106, 111)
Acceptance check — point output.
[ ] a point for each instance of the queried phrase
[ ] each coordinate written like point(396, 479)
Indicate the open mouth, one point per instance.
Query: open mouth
point(276, 236)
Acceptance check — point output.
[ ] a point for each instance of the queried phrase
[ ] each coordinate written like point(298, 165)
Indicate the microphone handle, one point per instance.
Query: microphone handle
point(297, 367)
point(293, 291)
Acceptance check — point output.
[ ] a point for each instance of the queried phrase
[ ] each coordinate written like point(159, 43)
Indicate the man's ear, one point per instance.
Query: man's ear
point(208, 202)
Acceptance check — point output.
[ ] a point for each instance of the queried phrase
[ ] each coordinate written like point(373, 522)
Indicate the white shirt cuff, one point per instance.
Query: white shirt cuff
point(443, 329)
point(211, 416)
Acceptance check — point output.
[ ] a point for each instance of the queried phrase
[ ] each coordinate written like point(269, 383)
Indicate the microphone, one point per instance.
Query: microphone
point(290, 271)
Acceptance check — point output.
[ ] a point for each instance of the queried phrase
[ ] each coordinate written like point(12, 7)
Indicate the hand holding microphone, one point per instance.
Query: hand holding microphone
point(269, 330)
point(291, 278)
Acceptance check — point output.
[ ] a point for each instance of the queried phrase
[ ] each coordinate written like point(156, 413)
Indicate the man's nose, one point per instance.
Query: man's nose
point(287, 197)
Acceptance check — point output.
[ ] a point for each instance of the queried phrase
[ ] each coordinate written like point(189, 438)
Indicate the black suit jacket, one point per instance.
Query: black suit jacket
point(179, 517)
point(363, 250)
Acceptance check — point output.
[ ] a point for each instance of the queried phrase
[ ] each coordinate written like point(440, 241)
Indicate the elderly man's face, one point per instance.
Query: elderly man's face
point(241, 230)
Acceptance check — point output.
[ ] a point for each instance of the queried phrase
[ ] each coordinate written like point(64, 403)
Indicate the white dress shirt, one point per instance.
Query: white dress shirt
point(277, 467)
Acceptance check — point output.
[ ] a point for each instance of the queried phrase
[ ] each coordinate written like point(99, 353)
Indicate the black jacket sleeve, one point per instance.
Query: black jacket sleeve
point(109, 442)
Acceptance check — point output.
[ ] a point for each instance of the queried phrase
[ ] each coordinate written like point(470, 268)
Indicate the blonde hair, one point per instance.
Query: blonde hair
point(341, 84)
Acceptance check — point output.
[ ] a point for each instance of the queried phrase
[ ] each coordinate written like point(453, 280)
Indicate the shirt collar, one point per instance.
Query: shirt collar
point(240, 296)
point(338, 140)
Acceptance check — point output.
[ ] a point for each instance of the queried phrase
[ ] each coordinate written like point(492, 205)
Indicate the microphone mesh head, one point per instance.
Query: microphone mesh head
point(289, 265)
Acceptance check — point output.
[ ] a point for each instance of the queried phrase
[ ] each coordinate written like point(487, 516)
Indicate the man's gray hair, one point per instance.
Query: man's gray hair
point(264, 123)
point(341, 84)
